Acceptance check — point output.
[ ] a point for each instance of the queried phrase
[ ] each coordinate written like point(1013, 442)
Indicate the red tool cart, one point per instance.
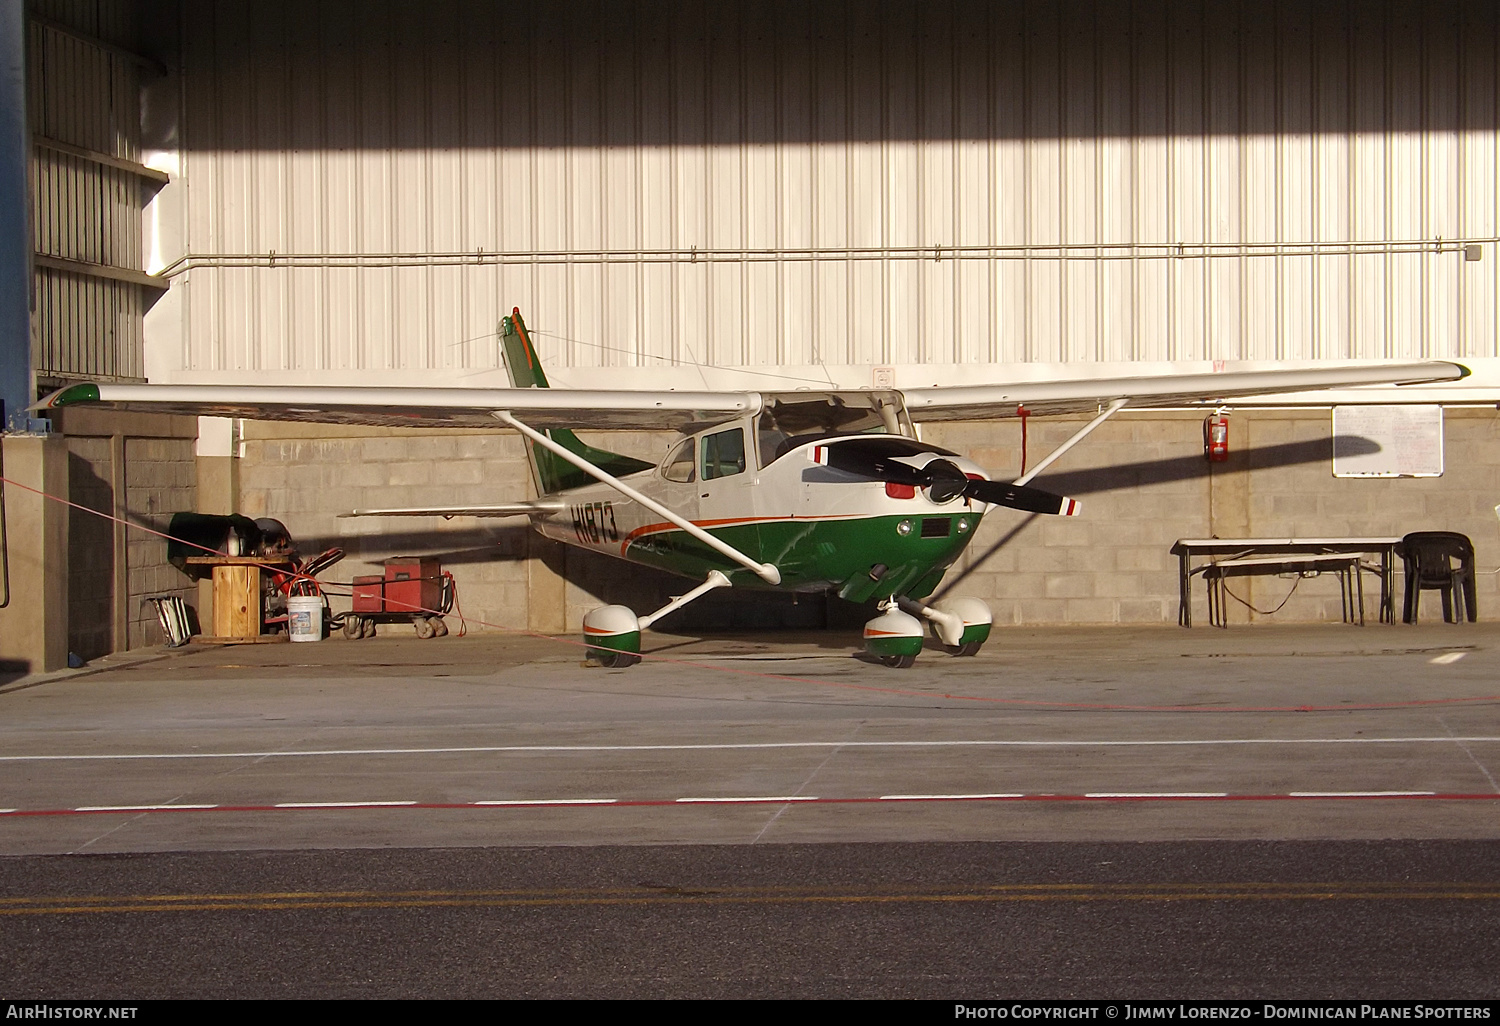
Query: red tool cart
point(413, 590)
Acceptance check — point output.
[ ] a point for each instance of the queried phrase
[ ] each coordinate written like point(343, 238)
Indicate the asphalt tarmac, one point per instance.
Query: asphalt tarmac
point(1268, 812)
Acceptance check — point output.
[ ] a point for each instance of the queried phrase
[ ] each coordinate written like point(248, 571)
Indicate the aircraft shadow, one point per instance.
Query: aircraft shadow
point(1186, 468)
point(1154, 472)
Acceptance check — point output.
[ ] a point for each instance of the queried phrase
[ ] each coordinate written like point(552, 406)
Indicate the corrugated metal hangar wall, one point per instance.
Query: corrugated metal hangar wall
point(86, 65)
point(364, 188)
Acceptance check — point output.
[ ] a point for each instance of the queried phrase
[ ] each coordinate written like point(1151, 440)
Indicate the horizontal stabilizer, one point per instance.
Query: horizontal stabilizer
point(503, 509)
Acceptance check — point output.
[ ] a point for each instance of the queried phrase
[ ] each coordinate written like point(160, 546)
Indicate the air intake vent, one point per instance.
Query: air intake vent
point(936, 527)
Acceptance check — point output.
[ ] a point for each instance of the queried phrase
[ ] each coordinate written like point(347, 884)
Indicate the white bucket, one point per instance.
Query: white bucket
point(304, 617)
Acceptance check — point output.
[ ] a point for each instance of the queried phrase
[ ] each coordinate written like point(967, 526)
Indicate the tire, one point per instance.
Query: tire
point(970, 649)
point(899, 662)
point(366, 628)
point(423, 627)
point(354, 628)
point(439, 628)
point(615, 660)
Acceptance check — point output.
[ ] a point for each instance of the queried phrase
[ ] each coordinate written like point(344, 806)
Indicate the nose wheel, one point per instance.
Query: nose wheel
point(894, 637)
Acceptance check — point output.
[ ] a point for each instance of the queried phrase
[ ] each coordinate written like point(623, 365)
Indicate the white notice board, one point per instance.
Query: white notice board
point(1387, 441)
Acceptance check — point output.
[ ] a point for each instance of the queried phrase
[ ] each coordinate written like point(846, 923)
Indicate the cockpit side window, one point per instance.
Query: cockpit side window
point(680, 465)
point(723, 453)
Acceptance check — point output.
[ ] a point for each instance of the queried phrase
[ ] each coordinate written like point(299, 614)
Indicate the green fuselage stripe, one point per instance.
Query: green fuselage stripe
point(817, 554)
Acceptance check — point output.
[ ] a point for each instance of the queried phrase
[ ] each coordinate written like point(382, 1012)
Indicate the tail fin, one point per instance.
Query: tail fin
point(520, 357)
point(549, 471)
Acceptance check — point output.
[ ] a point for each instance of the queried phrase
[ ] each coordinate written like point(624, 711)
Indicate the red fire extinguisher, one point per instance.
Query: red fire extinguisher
point(1216, 437)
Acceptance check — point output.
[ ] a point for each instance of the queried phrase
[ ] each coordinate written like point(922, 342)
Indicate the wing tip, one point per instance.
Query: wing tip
point(72, 395)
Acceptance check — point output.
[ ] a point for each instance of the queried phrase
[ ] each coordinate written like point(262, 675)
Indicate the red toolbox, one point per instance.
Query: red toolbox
point(409, 585)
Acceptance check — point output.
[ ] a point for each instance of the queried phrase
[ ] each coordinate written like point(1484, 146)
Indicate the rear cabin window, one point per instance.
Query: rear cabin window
point(723, 453)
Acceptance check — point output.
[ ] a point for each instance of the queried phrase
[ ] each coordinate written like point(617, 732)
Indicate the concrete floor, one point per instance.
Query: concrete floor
point(1074, 734)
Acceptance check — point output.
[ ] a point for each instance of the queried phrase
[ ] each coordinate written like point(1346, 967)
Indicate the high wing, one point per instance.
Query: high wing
point(603, 409)
point(984, 402)
point(543, 408)
point(534, 507)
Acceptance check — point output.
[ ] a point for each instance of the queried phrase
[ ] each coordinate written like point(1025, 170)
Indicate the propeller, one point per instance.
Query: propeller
point(942, 478)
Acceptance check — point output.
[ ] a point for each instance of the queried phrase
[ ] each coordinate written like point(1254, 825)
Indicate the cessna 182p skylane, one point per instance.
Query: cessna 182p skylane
point(807, 491)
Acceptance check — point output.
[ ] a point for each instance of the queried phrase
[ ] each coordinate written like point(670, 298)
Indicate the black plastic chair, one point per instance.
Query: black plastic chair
point(1442, 560)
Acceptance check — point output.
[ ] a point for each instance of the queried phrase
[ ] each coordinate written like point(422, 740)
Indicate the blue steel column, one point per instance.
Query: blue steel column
point(15, 224)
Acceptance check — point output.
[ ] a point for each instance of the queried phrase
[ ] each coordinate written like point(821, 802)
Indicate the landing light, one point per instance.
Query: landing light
point(963, 524)
point(904, 528)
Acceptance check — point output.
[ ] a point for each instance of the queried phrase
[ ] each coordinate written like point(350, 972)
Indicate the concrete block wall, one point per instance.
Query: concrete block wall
point(161, 479)
point(306, 475)
point(1141, 486)
point(1141, 477)
point(143, 468)
point(91, 582)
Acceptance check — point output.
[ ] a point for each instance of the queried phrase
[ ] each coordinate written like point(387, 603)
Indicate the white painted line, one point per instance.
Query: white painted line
point(1157, 794)
point(782, 798)
point(761, 746)
point(1446, 658)
point(338, 805)
point(1360, 794)
point(136, 808)
point(942, 797)
point(550, 801)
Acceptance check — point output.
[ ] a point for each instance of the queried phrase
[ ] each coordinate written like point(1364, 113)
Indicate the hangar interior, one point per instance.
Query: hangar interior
point(743, 195)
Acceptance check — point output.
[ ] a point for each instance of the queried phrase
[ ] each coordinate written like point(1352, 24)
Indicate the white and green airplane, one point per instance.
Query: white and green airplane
point(808, 491)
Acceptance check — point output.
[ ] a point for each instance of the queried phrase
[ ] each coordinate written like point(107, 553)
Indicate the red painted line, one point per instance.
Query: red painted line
point(574, 804)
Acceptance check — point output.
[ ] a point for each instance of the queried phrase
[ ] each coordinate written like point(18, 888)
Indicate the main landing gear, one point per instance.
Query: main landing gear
point(613, 633)
point(894, 637)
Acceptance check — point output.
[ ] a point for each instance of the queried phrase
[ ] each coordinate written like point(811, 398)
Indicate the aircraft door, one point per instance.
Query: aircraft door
point(726, 489)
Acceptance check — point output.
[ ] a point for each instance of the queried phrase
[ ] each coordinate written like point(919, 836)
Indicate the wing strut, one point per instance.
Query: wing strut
point(1078, 436)
point(716, 579)
point(765, 571)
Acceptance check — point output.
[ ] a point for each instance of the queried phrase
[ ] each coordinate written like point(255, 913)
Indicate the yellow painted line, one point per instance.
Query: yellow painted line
point(688, 895)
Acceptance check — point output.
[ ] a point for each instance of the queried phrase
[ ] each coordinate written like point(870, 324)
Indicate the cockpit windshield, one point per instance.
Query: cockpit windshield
point(792, 419)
